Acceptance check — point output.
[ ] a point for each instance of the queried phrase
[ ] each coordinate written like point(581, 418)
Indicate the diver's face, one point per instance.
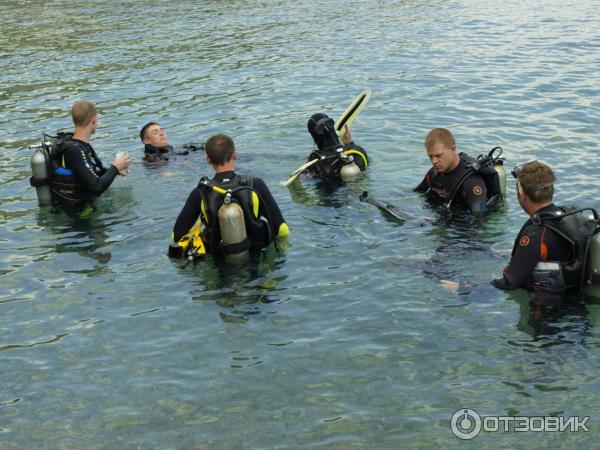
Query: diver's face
point(442, 158)
point(156, 136)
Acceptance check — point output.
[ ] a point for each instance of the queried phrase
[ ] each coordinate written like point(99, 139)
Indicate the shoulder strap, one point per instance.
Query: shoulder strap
point(468, 170)
point(481, 165)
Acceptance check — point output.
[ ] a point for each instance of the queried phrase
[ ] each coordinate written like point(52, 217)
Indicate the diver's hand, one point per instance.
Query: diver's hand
point(347, 136)
point(121, 162)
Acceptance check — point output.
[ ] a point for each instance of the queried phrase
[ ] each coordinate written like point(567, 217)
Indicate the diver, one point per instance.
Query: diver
point(76, 172)
point(335, 162)
point(238, 215)
point(550, 252)
point(473, 183)
point(156, 144)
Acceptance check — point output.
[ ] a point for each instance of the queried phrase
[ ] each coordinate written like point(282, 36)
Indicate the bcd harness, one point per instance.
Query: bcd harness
point(482, 165)
point(257, 218)
point(331, 163)
point(64, 186)
point(577, 229)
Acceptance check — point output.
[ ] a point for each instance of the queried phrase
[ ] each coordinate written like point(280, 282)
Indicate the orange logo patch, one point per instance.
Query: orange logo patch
point(524, 242)
point(477, 190)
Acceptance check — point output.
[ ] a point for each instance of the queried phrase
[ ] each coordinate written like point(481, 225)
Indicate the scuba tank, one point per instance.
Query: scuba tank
point(39, 177)
point(593, 267)
point(501, 170)
point(233, 231)
point(593, 262)
point(349, 171)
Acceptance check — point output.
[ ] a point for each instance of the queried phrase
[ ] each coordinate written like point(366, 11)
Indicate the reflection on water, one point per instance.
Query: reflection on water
point(238, 289)
point(554, 319)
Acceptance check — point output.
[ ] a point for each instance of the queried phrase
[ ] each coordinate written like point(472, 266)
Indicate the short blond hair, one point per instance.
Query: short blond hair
point(439, 135)
point(83, 112)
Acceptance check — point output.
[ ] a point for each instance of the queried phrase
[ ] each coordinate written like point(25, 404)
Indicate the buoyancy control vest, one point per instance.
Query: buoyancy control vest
point(488, 167)
point(578, 229)
point(257, 218)
point(337, 162)
point(65, 187)
point(339, 165)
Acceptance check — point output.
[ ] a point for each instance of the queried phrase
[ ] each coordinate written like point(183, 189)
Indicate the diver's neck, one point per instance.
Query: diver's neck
point(82, 134)
point(227, 167)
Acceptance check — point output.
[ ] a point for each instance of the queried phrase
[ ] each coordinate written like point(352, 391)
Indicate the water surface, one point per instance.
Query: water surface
point(348, 339)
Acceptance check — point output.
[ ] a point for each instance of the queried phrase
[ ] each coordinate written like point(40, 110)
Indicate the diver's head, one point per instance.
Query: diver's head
point(321, 128)
point(441, 149)
point(220, 152)
point(153, 134)
point(85, 116)
point(535, 185)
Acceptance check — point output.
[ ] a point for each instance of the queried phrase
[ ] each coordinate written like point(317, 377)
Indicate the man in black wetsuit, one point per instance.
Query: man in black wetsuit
point(442, 183)
point(332, 153)
point(156, 144)
point(81, 175)
point(263, 219)
point(541, 247)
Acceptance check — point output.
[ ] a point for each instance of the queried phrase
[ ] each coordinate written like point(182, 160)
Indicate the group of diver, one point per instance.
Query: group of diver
point(233, 216)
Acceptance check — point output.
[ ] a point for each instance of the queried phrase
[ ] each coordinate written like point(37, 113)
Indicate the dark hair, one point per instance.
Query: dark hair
point(537, 181)
point(144, 128)
point(219, 149)
point(439, 135)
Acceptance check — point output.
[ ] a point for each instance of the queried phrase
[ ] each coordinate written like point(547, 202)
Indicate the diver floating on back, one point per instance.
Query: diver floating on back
point(156, 144)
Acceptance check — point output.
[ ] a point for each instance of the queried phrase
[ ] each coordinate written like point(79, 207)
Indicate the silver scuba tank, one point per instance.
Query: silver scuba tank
point(233, 228)
point(593, 262)
point(39, 177)
point(501, 170)
point(350, 172)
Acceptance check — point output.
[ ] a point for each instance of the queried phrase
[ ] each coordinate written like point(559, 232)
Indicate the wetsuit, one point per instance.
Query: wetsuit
point(90, 176)
point(321, 128)
point(473, 193)
point(152, 153)
point(329, 168)
point(533, 244)
point(192, 208)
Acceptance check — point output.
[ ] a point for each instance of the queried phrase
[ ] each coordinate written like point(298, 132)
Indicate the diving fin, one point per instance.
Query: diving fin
point(385, 207)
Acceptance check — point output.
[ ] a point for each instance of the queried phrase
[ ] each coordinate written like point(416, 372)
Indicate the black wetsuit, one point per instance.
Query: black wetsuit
point(87, 168)
point(192, 209)
point(472, 194)
point(329, 168)
point(152, 153)
point(534, 243)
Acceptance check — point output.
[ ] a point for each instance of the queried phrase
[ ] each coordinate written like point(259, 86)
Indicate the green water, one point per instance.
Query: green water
point(347, 340)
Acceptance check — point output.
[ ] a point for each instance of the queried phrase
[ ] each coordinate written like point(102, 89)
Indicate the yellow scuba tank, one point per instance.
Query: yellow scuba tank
point(39, 177)
point(233, 229)
point(350, 172)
